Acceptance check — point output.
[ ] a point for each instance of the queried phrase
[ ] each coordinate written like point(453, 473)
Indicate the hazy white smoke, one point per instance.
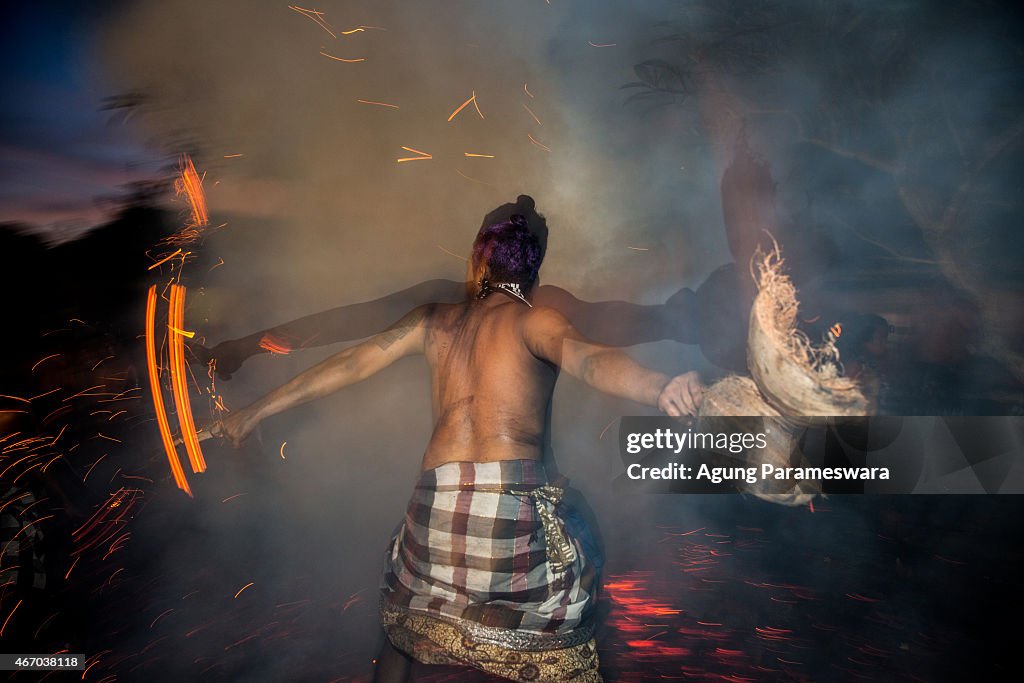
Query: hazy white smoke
point(320, 213)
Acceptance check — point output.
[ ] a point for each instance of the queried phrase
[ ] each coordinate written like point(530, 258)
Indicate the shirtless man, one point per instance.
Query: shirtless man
point(616, 323)
point(483, 572)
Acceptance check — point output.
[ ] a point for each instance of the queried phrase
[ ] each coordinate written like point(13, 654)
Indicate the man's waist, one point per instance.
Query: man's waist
point(498, 474)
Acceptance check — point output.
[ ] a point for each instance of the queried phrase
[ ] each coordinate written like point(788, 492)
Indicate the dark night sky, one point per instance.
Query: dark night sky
point(59, 151)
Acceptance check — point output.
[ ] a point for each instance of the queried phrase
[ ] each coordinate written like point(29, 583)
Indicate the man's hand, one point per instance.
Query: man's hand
point(235, 428)
point(682, 395)
point(228, 356)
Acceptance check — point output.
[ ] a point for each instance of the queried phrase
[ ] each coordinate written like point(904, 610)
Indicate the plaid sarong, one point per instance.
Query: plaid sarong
point(482, 572)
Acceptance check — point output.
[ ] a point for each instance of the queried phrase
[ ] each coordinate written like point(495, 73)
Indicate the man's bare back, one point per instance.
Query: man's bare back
point(489, 393)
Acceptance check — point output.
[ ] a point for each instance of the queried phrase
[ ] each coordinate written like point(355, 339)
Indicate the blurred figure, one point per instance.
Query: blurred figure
point(490, 569)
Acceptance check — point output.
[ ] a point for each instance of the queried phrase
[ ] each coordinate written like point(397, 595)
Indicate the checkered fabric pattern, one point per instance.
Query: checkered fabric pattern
point(473, 554)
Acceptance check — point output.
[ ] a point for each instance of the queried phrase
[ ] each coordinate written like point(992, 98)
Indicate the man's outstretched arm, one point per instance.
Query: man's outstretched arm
point(344, 323)
point(406, 337)
point(624, 323)
point(551, 337)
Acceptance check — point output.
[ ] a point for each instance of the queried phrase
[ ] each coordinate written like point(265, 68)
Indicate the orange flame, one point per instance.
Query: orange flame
point(158, 400)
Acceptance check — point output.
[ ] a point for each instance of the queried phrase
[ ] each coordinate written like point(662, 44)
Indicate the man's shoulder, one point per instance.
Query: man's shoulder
point(444, 309)
point(551, 296)
point(542, 319)
point(436, 313)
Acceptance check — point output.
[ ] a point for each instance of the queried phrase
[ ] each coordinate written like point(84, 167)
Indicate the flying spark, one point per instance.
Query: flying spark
point(534, 141)
point(530, 112)
point(315, 16)
point(464, 105)
point(243, 588)
point(342, 59)
point(423, 155)
point(379, 104)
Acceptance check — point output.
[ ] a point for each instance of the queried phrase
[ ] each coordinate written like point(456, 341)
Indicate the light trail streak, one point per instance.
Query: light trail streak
point(165, 259)
point(464, 105)
point(379, 104)
point(191, 185)
point(161, 616)
point(342, 59)
point(8, 619)
point(179, 383)
point(86, 392)
point(274, 345)
point(104, 523)
point(480, 156)
point(314, 16)
point(43, 360)
point(534, 141)
point(592, 44)
point(475, 180)
point(15, 463)
point(15, 500)
point(59, 434)
point(54, 413)
point(423, 155)
point(530, 112)
point(24, 528)
point(158, 401)
point(89, 667)
point(25, 510)
point(527, 91)
point(452, 253)
point(243, 588)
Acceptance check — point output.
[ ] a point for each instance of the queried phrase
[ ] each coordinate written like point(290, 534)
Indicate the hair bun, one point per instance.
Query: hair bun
point(518, 219)
point(525, 202)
